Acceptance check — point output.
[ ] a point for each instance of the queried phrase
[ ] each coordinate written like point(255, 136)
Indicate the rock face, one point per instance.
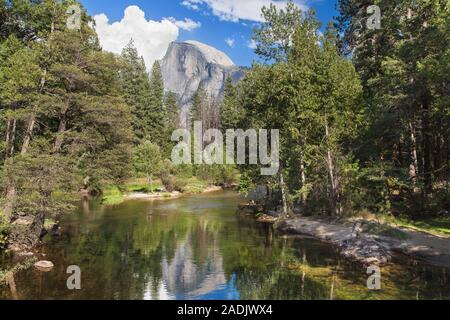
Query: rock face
point(191, 64)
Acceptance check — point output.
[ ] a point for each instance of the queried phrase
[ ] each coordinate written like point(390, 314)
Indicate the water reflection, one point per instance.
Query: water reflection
point(199, 248)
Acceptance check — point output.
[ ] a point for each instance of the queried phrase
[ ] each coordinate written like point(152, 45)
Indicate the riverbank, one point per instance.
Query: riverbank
point(139, 189)
point(370, 242)
point(167, 195)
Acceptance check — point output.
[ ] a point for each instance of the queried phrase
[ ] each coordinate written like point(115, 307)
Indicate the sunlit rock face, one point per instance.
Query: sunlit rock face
point(191, 64)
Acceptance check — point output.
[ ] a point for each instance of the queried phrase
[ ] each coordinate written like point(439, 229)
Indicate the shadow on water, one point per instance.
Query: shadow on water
point(199, 248)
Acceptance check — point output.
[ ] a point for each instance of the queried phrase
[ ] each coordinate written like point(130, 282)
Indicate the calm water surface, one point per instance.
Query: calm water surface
point(200, 248)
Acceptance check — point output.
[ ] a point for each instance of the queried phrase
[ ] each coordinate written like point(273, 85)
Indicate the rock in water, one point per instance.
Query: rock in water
point(191, 64)
point(44, 266)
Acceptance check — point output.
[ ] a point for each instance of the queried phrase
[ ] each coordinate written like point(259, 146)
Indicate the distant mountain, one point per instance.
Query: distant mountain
point(187, 65)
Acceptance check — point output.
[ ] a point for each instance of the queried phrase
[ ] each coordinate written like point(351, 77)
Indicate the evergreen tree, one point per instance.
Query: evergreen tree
point(136, 86)
point(155, 114)
point(231, 112)
point(402, 68)
point(64, 120)
point(171, 122)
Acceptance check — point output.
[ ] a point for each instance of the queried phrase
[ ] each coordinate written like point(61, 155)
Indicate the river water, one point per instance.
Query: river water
point(199, 247)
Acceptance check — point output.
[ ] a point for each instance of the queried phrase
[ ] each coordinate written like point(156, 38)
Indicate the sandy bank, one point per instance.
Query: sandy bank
point(354, 242)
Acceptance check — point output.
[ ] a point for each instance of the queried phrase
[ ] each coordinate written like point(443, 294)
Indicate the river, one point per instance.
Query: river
point(199, 247)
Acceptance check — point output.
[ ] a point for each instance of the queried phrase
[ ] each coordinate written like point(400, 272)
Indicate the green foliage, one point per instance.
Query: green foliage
point(63, 118)
point(274, 36)
point(136, 87)
point(313, 96)
point(439, 226)
point(24, 265)
point(231, 112)
point(156, 112)
point(4, 226)
point(402, 70)
point(112, 195)
point(147, 160)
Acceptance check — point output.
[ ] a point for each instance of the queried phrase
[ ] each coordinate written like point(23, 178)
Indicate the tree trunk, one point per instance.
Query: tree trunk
point(334, 196)
point(28, 135)
point(414, 167)
point(427, 147)
point(61, 129)
point(283, 195)
point(13, 138)
point(303, 177)
point(9, 278)
point(150, 182)
point(8, 127)
point(9, 202)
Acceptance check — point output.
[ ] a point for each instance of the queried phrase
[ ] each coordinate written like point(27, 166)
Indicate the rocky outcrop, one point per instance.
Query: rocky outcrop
point(26, 232)
point(191, 64)
point(359, 241)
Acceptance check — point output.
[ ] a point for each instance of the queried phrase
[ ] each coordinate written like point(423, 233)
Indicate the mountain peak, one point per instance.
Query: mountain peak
point(212, 54)
point(191, 64)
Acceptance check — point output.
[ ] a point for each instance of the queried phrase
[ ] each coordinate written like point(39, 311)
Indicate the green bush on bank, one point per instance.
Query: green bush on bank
point(112, 195)
point(4, 226)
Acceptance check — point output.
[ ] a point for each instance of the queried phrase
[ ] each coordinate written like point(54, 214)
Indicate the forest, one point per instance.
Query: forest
point(363, 114)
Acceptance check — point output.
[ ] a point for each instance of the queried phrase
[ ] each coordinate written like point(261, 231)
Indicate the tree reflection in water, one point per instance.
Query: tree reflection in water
point(199, 248)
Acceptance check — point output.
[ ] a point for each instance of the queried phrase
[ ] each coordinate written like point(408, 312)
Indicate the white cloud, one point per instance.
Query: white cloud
point(251, 44)
point(186, 24)
point(191, 4)
point(230, 42)
point(151, 38)
point(235, 10)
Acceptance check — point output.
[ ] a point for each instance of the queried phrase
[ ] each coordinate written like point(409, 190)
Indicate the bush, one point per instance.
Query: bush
point(183, 171)
point(112, 195)
point(4, 226)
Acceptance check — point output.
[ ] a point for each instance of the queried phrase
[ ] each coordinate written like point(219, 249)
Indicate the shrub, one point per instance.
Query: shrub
point(4, 226)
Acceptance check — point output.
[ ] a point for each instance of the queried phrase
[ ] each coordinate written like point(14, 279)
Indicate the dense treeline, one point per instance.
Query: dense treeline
point(364, 113)
point(72, 115)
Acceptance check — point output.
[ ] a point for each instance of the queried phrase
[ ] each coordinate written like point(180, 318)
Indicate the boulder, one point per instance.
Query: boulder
point(44, 266)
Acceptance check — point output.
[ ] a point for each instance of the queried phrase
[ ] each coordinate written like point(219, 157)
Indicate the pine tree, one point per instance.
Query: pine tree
point(231, 112)
point(64, 118)
point(155, 113)
point(171, 122)
point(199, 108)
point(401, 66)
point(136, 86)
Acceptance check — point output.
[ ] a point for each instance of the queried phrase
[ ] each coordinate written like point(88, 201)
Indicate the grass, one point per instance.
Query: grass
point(385, 231)
point(112, 195)
point(141, 185)
point(194, 185)
point(49, 222)
point(439, 226)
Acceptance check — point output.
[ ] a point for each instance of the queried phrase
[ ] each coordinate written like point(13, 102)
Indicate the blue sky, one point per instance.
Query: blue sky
point(214, 22)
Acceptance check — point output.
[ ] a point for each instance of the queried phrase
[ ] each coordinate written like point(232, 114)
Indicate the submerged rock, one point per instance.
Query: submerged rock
point(365, 250)
point(44, 266)
point(346, 237)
